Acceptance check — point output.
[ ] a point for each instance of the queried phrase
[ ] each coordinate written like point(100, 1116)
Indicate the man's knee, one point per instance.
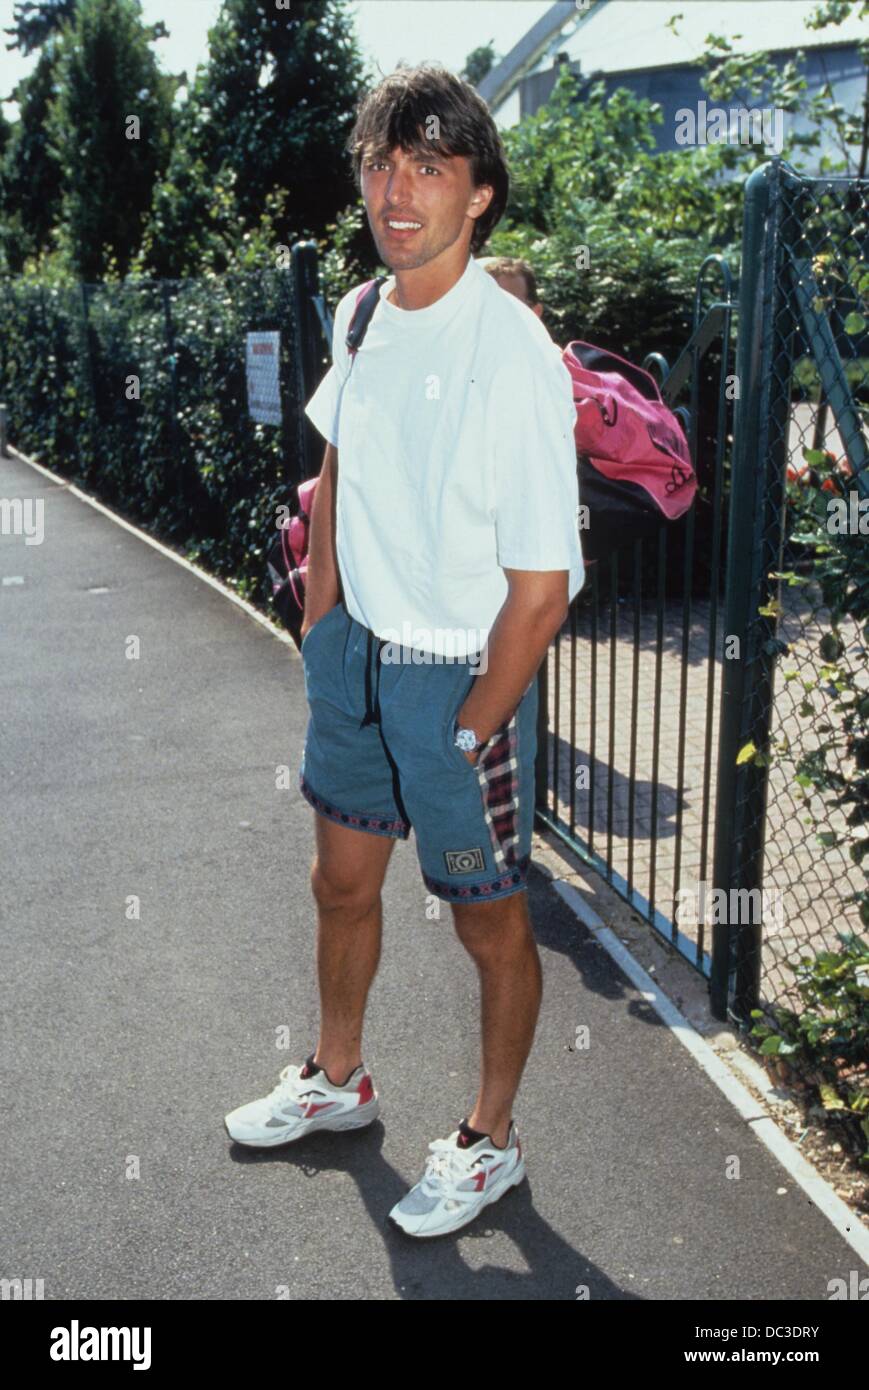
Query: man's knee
point(333, 888)
point(488, 929)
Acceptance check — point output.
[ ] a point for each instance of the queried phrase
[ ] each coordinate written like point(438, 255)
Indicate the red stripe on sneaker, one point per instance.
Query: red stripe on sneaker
point(365, 1091)
point(481, 1177)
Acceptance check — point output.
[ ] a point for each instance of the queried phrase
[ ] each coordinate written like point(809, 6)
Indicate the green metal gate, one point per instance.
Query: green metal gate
point(804, 364)
point(647, 692)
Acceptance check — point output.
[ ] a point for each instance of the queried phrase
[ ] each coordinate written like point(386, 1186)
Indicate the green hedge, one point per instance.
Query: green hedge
point(184, 461)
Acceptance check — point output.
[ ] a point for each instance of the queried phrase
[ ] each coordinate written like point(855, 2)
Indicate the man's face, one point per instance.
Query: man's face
point(425, 187)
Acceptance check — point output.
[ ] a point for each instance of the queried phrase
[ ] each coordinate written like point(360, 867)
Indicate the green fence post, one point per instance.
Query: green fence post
point(741, 543)
point(308, 336)
point(755, 538)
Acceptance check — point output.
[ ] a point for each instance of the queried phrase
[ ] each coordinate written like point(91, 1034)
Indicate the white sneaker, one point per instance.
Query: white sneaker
point(304, 1100)
point(460, 1179)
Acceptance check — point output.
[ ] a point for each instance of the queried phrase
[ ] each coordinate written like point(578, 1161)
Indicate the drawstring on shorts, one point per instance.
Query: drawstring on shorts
point(372, 708)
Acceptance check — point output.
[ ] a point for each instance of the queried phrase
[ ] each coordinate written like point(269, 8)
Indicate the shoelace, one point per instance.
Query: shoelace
point(445, 1164)
point(290, 1087)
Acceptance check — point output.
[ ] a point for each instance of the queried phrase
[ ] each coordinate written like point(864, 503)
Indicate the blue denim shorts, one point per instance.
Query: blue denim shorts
point(379, 757)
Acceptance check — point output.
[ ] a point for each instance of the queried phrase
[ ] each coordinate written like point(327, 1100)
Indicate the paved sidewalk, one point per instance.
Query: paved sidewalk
point(126, 1040)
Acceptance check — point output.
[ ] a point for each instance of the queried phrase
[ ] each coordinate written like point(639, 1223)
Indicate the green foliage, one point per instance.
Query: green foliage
point(218, 243)
point(755, 77)
point(265, 118)
point(341, 265)
point(30, 181)
point(827, 1041)
point(585, 209)
point(584, 174)
point(36, 21)
point(479, 62)
point(107, 76)
point(183, 459)
point(852, 127)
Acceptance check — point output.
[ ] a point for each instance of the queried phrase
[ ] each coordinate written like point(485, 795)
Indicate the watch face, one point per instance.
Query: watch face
point(466, 740)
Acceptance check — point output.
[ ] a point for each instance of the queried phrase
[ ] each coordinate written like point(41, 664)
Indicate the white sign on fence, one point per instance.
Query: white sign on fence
point(263, 377)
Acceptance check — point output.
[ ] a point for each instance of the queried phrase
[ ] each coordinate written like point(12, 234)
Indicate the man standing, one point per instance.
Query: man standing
point(443, 556)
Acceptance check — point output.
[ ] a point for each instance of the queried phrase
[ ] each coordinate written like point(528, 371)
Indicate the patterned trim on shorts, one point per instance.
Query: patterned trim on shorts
point(497, 888)
point(375, 825)
point(498, 774)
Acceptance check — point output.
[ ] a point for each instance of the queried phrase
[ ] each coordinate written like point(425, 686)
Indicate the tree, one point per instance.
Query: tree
point(852, 128)
point(266, 118)
point(31, 178)
point(35, 21)
point(478, 63)
point(110, 128)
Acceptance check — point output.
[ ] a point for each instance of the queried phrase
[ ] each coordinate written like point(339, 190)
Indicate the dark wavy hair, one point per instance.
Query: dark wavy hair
point(396, 111)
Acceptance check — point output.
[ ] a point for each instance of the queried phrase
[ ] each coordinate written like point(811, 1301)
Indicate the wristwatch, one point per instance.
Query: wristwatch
point(467, 740)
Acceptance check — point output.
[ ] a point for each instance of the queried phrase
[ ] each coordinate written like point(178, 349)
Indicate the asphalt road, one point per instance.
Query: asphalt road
point(127, 1037)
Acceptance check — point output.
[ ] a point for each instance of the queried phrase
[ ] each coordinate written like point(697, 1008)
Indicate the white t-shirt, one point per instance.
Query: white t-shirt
point(456, 458)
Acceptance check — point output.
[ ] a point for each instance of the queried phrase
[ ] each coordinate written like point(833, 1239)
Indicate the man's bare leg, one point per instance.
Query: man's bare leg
point(346, 878)
point(498, 936)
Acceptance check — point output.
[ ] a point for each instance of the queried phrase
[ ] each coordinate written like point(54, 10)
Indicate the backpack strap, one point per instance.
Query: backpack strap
point(366, 303)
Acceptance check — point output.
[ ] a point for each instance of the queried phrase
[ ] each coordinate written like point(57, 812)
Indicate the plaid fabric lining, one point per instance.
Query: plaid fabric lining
point(497, 771)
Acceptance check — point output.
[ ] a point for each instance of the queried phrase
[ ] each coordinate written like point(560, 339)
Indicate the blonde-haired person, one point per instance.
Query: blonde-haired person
point(516, 277)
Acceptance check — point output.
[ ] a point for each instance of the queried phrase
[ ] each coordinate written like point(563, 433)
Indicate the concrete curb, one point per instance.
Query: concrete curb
point(847, 1223)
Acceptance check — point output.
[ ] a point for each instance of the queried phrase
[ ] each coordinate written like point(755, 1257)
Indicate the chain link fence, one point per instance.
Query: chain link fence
point(793, 795)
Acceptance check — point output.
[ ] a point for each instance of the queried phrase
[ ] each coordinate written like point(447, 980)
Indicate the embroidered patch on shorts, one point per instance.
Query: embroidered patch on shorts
point(464, 861)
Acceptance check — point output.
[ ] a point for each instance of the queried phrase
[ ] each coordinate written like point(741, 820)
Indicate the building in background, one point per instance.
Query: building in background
point(627, 43)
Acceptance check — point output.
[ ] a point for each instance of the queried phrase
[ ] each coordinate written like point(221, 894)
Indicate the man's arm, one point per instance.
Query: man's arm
point(323, 587)
point(533, 611)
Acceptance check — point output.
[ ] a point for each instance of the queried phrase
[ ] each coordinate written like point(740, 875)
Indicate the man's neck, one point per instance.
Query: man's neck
point(409, 293)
